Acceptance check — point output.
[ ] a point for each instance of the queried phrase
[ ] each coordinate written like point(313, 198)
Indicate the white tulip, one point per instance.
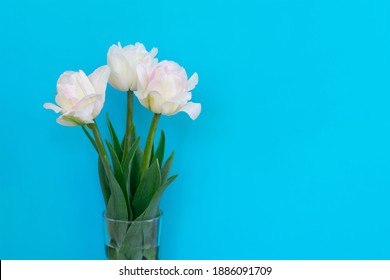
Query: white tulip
point(123, 63)
point(165, 89)
point(80, 98)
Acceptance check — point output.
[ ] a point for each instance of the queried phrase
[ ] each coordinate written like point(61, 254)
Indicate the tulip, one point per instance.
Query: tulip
point(165, 89)
point(80, 98)
point(123, 63)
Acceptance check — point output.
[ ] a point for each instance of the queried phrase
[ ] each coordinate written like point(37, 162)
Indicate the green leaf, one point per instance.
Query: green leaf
point(132, 134)
point(116, 210)
point(118, 172)
point(135, 166)
point(90, 138)
point(150, 253)
point(114, 139)
point(126, 167)
point(130, 254)
point(141, 241)
point(126, 163)
point(104, 184)
point(131, 246)
point(150, 183)
point(151, 155)
point(135, 174)
point(111, 253)
point(153, 209)
point(166, 168)
point(159, 154)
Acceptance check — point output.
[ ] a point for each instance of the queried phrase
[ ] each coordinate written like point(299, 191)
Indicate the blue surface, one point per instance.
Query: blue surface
point(289, 159)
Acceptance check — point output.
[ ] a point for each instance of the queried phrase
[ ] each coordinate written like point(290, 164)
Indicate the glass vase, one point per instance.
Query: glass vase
point(131, 240)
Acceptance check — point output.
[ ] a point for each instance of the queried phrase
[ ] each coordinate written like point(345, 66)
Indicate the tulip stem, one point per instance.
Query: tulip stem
point(149, 144)
point(129, 124)
point(100, 147)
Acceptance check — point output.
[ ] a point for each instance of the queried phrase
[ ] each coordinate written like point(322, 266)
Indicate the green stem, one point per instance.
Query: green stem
point(129, 124)
point(100, 147)
point(149, 143)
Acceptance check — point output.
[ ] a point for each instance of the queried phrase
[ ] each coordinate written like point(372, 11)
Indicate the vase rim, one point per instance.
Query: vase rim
point(130, 222)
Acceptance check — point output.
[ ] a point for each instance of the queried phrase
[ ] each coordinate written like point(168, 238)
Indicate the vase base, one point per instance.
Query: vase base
point(132, 254)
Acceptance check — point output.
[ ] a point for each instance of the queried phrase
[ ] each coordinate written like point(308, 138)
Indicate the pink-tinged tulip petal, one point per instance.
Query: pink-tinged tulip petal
point(169, 108)
point(65, 101)
point(83, 84)
point(141, 95)
point(165, 89)
point(99, 79)
point(116, 82)
point(53, 107)
point(65, 122)
point(192, 109)
point(85, 102)
point(182, 98)
point(143, 76)
point(192, 82)
point(153, 52)
point(155, 102)
point(80, 98)
point(123, 63)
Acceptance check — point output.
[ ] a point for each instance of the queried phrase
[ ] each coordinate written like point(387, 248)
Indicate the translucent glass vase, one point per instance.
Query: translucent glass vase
point(131, 240)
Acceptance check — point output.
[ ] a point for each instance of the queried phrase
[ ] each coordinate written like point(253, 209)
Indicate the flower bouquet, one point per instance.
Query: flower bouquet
point(132, 179)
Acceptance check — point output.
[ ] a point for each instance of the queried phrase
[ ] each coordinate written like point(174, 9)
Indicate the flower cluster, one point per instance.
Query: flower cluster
point(162, 87)
point(132, 179)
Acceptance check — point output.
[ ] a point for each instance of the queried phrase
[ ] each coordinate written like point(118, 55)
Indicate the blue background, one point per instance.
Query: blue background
point(289, 159)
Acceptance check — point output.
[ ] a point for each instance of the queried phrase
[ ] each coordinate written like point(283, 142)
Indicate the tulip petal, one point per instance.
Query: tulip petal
point(81, 115)
point(152, 101)
point(142, 76)
point(99, 79)
point(181, 98)
point(73, 86)
point(141, 94)
point(116, 82)
point(118, 64)
point(169, 108)
point(83, 84)
point(65, 101)
point(66, 90)
point(51, 106)
point(88, 108)
point(65, 82)
point(86, 101)
point(192, 109)
point(98, 105)
point(155, 102)
point(66, 121)
point(192, 82)
point(85, 115)
point(153, 52)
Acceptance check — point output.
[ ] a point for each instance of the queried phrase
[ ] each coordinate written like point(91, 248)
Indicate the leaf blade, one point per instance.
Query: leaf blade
point(126, 167)
point(166, 168)
point(149, 184)
point(118, 172)
point(159, 154)
point(116, 210)
point(104, 183)
point(135, 173)
point(114, 139)
point(153, 209)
